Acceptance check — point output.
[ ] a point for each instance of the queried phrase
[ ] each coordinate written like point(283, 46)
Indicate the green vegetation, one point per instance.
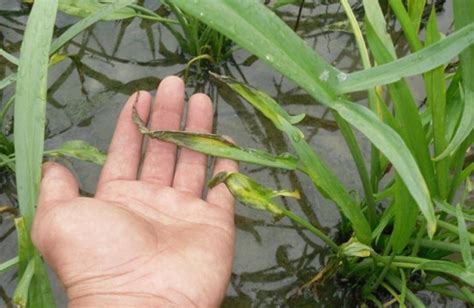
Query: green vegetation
point(414, 217)
point(399, 228)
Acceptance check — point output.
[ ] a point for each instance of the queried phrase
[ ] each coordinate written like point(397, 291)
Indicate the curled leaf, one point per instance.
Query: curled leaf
point(250, 192)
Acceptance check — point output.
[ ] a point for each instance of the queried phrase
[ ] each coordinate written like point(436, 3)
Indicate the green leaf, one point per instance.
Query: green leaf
point(30, 103)
point(415, 11)
point(71, 32)
point(393, 147)
point(260, 197)
point(318, 171)
point(9, 57)
point(375, 17)
point(448, 208)
point(436, 96)
point(354, 248)
point(280, 3)
point(409, 30)
point(85, 8)
point(463, 12)
point(250, 192)
point(215, 145)
point(20, 296)
point(418, 62)
point(5, 82)
point(406, 214)
point(387, 216)
point(80, 150)
point(464, 239)
point(262, 101)
point(256, 28)
point(30, 110)
point(7, 265)
point(449, 268)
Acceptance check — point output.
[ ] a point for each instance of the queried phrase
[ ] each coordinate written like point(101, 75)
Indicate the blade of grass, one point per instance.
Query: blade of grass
point(257, 29)
point(30, 109)
point(347, 131)
point(9, 57)
point(85, 8)
point(415, 11)
point(7, 265)
point(418, 62)
point(405, 216)
point(20, 296)
point(411, 33)
point(30, 103)
point(78, 149)
point(5, 82)
point(464, 239)
point(83, 24)
point(374, 15)
point(463, 12)
point(260, 197)
point(448, 208)
point(410, 296)
point(396, 152)
point(317, 170)
point(436, 97)
point(449, 268)
point(215, 145)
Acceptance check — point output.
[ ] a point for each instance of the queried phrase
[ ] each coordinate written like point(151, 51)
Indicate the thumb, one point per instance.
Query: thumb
point(57, 184)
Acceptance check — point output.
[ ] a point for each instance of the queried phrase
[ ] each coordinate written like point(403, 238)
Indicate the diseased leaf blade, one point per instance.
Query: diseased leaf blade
point(81, 150)
point(215, 145)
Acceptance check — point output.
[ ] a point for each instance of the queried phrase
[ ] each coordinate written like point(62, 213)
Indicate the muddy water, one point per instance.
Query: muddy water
point(111, 60)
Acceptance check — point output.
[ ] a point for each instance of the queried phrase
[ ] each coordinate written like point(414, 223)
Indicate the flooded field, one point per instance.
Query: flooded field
point(112, 59)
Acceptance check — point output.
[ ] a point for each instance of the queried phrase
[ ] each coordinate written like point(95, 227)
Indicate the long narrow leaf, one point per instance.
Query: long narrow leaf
point(464, 239)
point(449, 268)
point(256, 28)
point(10, 58)
point(416, 63)
point(318, 171)
point(7, 265)
point(105, 10)
point(393, 147)
point(463, 12)
point(85, 8)
point(5, 82)
point(30, 110)
point(215, 145)
point(30, 103)
point(20, 296)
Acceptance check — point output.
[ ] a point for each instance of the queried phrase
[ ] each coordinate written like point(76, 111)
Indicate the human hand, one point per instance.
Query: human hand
point(146, 238)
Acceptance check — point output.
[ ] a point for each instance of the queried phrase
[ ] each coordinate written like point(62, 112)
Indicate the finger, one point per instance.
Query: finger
point(220, 195)
point(57, 184)
point(125, 150)
point(160, 157)
point(191, 167)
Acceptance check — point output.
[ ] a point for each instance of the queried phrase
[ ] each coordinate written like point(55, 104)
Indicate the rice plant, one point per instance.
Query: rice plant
point(414, 223)
point(413, 218)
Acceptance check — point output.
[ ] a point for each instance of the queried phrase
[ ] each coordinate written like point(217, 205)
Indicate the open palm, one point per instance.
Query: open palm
point(147, 238)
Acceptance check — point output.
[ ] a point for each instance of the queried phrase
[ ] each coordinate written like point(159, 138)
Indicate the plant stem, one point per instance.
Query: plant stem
point(303, 222)
point(360, 164)
point(454, 229)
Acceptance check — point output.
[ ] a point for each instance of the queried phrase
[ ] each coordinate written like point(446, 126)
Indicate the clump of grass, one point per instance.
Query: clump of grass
point(412, 219)
point(203, 48)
